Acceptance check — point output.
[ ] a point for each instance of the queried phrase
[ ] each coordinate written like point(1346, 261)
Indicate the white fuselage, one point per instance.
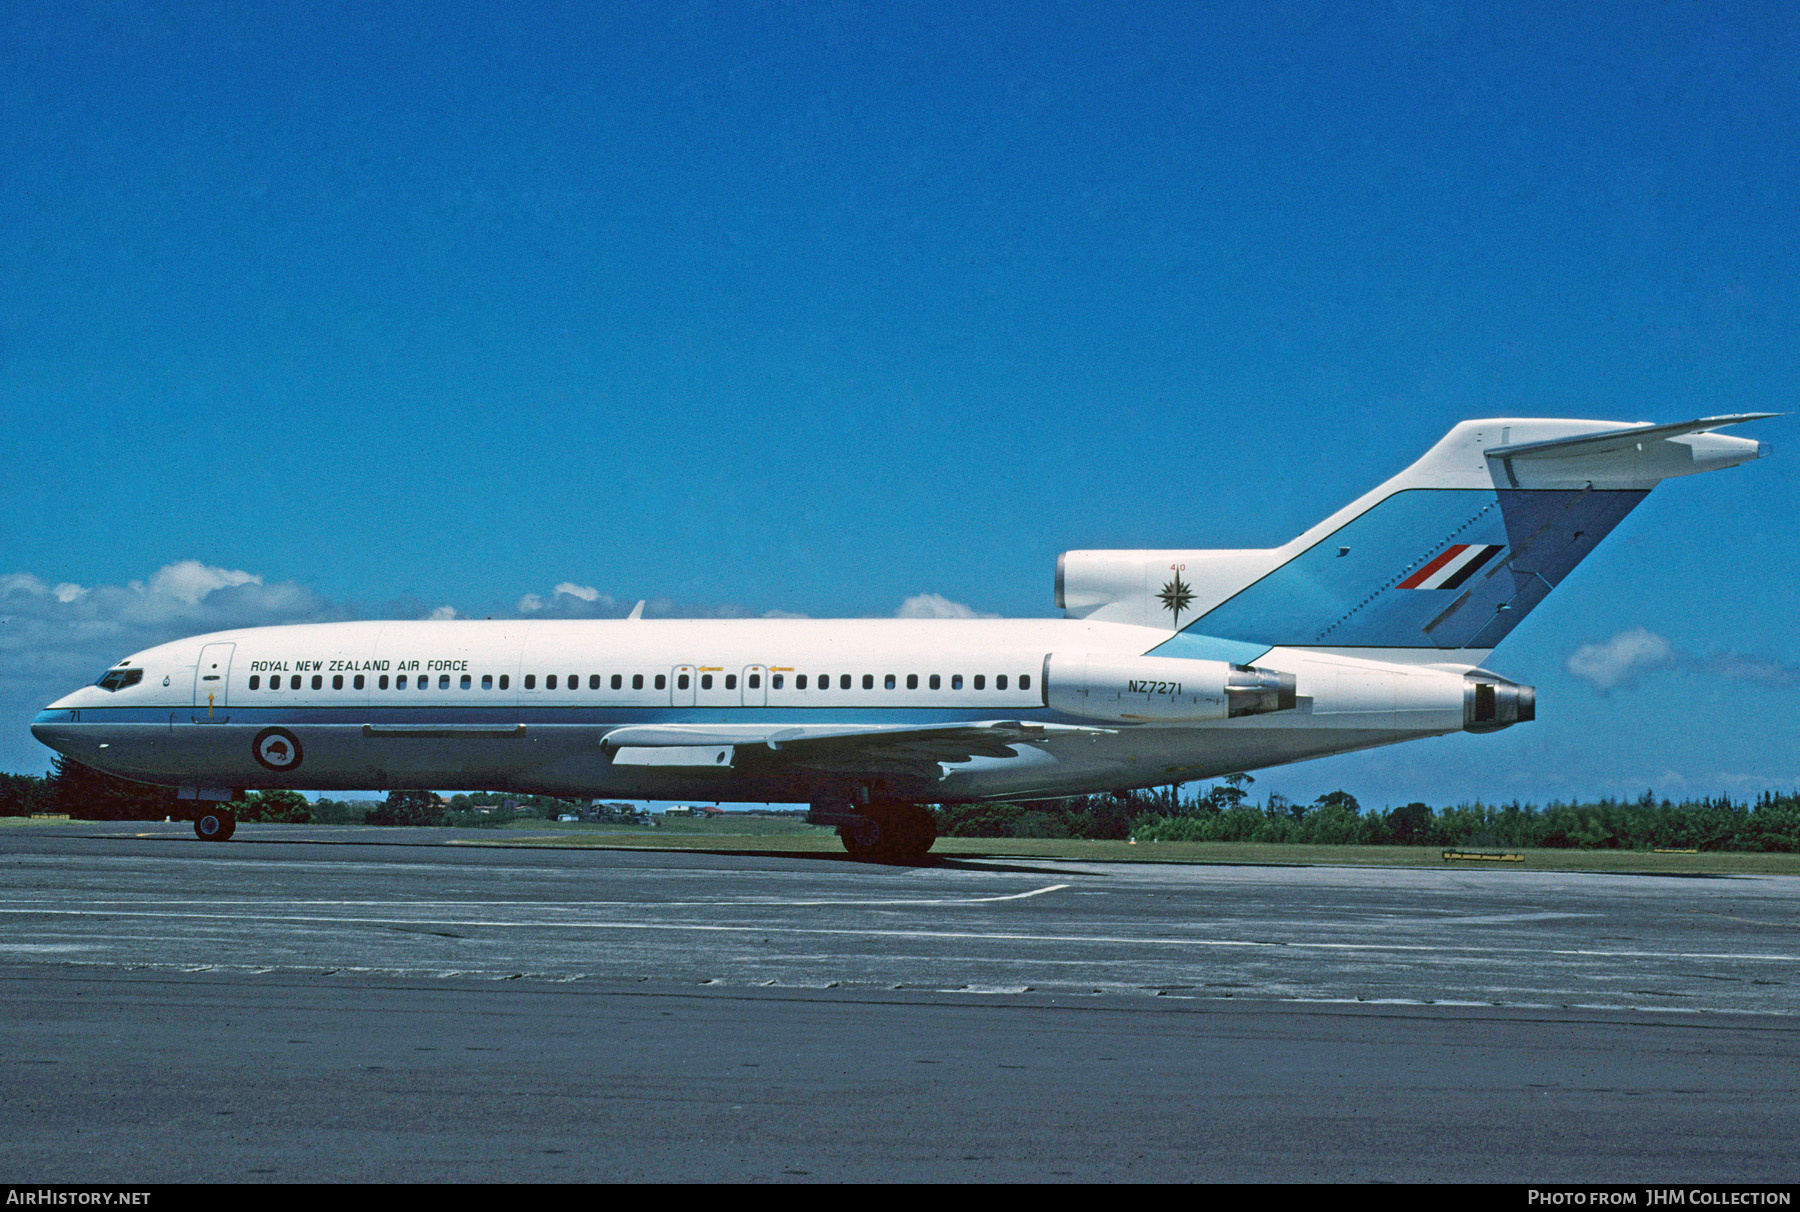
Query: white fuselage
point(525, 705)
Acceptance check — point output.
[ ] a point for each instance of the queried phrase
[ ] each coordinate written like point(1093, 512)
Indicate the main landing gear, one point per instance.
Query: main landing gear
point(889, 832)
point(214, 823)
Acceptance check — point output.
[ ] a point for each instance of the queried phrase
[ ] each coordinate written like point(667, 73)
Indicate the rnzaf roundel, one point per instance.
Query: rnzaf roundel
point(1451, 567)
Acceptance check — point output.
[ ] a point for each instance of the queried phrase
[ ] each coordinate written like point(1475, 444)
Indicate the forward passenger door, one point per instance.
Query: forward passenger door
point(212, 682)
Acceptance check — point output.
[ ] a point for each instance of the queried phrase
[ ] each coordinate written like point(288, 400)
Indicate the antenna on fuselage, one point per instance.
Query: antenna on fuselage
point(637, 612)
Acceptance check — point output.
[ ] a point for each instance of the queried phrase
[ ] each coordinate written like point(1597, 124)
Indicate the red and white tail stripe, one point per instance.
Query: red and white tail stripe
point(1454, 566)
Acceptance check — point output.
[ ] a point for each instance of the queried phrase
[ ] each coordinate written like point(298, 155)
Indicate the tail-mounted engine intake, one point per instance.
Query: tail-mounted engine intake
point(1491, 706)
point(1142, 690)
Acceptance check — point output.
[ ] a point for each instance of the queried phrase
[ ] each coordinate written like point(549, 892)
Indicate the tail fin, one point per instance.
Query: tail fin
point(1448, 555)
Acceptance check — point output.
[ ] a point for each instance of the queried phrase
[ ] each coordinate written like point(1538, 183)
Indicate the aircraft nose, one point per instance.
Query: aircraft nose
point(50, 727)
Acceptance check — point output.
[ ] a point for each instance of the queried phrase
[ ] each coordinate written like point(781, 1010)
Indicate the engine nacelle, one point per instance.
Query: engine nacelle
point(1489, 706)
point(1145, 690)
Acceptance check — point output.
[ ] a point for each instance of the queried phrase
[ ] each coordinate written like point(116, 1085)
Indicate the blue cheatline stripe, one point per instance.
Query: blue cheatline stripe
point(570, 715)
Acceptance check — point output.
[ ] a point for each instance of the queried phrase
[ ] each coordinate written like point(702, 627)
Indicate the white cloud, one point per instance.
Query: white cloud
point(187, 581)
point(58, 636)
point(1741, 667)
point(571, 601)
point(937, 606)
point(442, 613)
point(1621, 659)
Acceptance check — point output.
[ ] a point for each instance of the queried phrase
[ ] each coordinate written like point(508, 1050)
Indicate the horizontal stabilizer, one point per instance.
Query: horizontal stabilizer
point(1618, 439)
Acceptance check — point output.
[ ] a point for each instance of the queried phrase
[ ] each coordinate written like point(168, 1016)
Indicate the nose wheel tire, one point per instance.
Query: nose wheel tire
point(893, 833)
point(214, 825)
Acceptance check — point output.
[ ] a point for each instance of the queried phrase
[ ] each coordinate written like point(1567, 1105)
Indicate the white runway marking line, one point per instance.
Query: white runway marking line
point(746, 902)
point(969, 935)
point(1081, 988)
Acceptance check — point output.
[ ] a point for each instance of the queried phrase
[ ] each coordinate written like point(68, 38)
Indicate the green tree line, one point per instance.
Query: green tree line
point(84, 793)
point(1224, 812)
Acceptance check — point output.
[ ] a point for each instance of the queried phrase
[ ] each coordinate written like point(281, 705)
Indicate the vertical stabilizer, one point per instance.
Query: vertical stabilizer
point(1446, 557)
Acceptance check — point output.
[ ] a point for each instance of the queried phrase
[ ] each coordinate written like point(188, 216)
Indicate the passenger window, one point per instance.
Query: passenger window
point(889, 683)
point(255, 679)
point(956, 681)
point(844, 681)
point(799, 681)
point(487, 681)
point(981, 681)
point(574, 681)
point(401, 683)
point(382, 683)
point(662, 680)
point(755, 681)
point(1000, 682)
point(594, 681)
point(731, 681)
point(706, 681)
point(358, 683)
point(912, 681)
point(637, 681)
point(504, 679)
point(318, 681)
point(681, 683)
point(775, 680)
point(617, 681)
point(424, 682)
point(337, 681)
point(1024, 681)
point(936, 681)
point(444, 681)
point(467, 682)
point(550, 682)
point(531, 681)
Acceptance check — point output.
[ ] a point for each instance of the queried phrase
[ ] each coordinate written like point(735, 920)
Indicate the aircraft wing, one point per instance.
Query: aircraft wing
point(846, 748)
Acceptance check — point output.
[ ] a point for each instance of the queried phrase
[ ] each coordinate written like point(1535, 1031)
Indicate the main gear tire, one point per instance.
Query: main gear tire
point(892, 833)
point(214, 825)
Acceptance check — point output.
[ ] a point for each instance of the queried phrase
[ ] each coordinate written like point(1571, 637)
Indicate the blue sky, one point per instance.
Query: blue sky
point(818, 308)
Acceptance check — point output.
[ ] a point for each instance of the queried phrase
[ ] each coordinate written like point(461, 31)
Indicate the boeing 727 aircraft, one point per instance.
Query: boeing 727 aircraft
point(1371, 628)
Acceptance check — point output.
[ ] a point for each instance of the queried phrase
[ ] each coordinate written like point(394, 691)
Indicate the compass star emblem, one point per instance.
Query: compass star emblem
point(1176, 594)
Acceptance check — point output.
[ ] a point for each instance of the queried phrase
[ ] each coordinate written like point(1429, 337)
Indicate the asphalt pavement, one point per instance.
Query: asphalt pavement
point(305, 1003)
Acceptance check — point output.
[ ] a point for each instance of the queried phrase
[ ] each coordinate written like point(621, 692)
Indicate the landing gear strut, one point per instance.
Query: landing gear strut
point(890, 833)
point(214, 824)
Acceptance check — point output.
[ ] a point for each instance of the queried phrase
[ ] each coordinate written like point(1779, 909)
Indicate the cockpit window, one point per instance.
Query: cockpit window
point(118, 679)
